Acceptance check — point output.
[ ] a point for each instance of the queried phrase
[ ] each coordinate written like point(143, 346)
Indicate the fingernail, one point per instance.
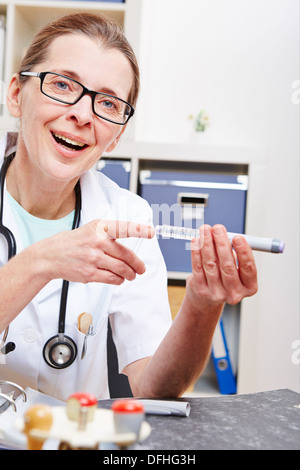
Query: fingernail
point(143, 269)
point(238, 241)
point(218, 230)
point(151, 232)
point(205, 229)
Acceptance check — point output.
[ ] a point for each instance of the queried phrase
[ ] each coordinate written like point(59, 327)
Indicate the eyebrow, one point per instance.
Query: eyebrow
point(75, 76)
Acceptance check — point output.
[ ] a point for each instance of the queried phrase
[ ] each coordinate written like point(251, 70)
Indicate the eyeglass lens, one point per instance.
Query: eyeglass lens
point(69, 91)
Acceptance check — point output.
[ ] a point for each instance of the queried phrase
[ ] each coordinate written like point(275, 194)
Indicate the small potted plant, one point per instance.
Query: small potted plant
point(200, 124)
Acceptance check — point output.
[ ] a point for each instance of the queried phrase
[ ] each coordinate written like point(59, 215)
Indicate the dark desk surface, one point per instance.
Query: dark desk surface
point(265, 420)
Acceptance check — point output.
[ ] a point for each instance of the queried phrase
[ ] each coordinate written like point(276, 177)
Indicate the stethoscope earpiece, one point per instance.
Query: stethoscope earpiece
point(60, 351)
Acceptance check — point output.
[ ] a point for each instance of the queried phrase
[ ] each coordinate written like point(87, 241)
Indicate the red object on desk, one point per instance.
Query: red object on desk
point(128, 416)
point(78, 401)
point(127, 406)
point(85, 399)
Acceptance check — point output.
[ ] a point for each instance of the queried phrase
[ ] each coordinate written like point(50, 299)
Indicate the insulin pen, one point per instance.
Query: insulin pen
point(271, 245)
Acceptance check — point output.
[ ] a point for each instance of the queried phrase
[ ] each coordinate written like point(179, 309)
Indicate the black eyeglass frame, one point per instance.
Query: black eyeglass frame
point(85, 91)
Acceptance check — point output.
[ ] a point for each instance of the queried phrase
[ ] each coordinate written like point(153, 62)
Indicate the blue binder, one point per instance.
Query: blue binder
point(222, 363)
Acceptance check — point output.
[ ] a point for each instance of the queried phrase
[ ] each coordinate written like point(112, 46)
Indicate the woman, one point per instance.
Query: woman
point(64, 129)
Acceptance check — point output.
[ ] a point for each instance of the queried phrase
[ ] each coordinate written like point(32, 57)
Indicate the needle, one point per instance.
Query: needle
point(271, 245)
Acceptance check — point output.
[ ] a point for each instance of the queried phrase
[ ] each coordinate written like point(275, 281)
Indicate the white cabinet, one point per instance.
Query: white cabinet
point(240, 321)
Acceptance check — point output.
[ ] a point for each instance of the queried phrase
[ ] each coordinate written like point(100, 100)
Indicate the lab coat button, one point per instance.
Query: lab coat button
point(30, 336)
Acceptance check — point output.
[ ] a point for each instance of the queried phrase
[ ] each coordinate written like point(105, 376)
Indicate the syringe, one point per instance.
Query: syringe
point(271, 245)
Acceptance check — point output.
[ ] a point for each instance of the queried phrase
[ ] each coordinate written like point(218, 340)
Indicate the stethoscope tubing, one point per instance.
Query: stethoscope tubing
point(8, 235)
point(12, 249)
point(65, 284)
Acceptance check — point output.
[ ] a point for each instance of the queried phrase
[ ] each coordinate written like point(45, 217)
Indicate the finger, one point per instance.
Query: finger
point(123, 229)
point(106, 277)
point(118, 252)
point(210, 259)
point(227, 263)
point(197, 267)
point(246, 263)
point(120, 267)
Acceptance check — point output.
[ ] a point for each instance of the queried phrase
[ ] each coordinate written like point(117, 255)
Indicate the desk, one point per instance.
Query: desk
point(259, 421)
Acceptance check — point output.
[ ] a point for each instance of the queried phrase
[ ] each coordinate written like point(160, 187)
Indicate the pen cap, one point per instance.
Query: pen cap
point(277, 246)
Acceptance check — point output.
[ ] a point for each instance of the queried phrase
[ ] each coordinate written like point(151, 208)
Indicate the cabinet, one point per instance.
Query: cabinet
point(22, 19)
point(188, 195)
point(235, 174)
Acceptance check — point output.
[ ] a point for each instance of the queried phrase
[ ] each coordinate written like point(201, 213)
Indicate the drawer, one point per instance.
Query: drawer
point(190, 199)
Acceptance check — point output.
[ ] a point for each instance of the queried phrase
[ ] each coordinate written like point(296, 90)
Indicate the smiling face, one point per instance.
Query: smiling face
point(59, 141)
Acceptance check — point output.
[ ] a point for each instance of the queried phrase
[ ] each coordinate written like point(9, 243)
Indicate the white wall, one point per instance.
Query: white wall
point(238, 59)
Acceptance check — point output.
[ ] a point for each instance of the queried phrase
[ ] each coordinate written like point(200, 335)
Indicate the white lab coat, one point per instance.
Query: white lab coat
point(139, 310)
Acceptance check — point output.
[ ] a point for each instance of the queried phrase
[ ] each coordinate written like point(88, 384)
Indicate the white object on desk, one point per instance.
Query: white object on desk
point(101, 430)
point(166, 407)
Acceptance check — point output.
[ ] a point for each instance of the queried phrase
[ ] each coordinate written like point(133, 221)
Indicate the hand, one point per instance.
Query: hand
point(218, 276)
point(92, 254)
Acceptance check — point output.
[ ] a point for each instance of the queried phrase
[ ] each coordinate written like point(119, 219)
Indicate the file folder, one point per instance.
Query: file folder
point(222, 363)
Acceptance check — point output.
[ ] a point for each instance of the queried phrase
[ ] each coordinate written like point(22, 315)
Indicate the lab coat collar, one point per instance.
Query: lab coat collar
point(89, 194)
point(95, 205)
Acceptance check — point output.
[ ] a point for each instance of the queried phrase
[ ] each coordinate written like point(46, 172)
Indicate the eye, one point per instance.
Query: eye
point(61, 85)
point(56, 84)
point(108, 104)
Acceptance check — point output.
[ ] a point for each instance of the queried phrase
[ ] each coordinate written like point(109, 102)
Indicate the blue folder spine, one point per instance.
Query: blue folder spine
point(222, 363)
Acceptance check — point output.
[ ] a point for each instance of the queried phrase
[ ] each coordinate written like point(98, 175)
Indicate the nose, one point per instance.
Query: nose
point(82, 111)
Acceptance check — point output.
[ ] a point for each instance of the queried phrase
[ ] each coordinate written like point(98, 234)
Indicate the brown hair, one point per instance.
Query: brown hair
point(96, 27)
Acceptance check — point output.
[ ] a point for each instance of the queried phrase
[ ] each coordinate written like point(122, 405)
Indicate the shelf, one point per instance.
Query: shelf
point(25, 17)
point(28, 18)
point(37, 15)
point(190, 153)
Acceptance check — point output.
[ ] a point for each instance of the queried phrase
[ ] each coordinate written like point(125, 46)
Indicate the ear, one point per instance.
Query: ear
point(13, 98)
point(113, 145)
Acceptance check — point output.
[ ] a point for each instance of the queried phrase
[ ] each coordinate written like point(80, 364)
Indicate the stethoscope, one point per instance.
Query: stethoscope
point(60, 351)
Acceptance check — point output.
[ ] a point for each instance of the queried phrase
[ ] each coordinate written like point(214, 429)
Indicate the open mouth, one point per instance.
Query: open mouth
point(68, 143)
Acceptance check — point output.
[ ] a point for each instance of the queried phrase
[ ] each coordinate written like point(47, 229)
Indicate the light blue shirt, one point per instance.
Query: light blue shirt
point(33, 229)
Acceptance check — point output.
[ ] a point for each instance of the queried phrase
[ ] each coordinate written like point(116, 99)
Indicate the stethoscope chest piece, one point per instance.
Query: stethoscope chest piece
point(60, 351)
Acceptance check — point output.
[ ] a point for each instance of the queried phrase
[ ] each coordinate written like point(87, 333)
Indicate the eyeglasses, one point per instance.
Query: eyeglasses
point(68, 91)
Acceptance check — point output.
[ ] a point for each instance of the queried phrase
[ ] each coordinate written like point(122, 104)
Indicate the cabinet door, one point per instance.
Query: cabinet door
point(190, 199)
point(116, 170)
